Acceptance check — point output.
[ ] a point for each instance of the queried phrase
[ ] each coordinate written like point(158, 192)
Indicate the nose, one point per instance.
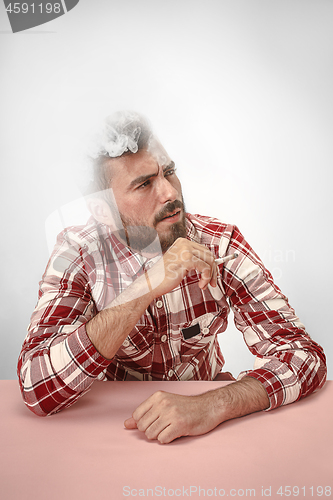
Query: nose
point(165, 190)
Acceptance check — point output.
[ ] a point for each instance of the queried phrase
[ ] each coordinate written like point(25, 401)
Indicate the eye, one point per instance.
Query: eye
point(170, 171)
point(145, 184)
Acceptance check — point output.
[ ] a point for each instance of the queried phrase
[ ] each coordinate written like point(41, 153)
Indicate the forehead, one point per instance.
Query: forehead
point(128, 167)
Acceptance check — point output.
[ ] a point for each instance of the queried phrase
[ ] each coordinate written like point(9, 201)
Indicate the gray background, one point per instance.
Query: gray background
point(239, 92)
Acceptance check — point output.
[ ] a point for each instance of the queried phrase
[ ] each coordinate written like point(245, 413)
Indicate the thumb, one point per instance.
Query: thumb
point(130, 423)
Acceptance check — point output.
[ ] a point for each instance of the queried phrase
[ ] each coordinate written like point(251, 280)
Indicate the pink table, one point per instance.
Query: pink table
point(85, 452)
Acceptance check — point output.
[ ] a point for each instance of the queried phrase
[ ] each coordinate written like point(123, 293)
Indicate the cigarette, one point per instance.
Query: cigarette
point(222, 260)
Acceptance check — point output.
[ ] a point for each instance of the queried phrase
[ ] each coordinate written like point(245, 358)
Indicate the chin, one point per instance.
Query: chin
point(177, 230)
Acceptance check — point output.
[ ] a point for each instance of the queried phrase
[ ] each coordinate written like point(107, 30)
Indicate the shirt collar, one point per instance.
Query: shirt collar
point(191, 232)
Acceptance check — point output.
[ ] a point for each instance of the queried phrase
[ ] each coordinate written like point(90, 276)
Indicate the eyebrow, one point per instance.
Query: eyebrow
point(143, 178)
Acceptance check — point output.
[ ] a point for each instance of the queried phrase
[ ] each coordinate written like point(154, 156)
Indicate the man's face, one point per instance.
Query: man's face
point(149, 198)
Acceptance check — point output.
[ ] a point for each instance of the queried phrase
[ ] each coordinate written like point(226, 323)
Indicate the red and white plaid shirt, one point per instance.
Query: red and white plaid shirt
point(176, 338)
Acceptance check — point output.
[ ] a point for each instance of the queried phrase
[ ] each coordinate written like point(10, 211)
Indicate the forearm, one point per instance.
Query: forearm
point(239, 398)
point(110, 327)
point(71, 358)
point(165, 416)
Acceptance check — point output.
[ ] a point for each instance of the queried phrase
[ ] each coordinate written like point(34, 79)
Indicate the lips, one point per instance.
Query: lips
point(170, 211)
point(172, 215)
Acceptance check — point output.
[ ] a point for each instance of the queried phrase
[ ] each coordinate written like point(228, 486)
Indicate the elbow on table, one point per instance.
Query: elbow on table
point(30, 400)
point(45, 406)
point(30, 389)
point(43, 398)
point(36, 409)
point(43, 394)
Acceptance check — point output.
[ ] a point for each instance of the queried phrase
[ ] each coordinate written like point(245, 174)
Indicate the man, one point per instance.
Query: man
point(136, 294)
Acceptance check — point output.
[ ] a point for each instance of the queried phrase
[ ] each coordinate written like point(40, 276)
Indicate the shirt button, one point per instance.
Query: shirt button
point(163, 338)
point(170, 373)
point(159, 304)
point(126, 343)
point(205, 331)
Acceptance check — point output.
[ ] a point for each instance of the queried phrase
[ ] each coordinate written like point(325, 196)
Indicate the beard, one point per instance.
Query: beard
point(142, 237)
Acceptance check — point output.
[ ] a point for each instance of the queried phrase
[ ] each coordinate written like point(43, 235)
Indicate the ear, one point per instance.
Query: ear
point(100, 210)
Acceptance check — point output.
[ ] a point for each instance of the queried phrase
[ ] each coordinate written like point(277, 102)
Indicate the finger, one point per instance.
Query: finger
point(168, 434)
point(213, 280)
point(184, 256)
point(207, 273)
point(155, 428)
point(216, 272)
point(203, 252)
point(130, 423)
point(147, 420)
point(205, 255)
point(188, 248)
point(142, 409)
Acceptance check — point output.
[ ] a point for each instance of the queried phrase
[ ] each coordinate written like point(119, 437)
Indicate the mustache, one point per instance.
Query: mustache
point(168, 210)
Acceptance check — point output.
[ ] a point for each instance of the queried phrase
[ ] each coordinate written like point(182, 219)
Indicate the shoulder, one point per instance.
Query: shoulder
point(209, 230)
point(78, 249)
point(83, 235)
point(76, 245)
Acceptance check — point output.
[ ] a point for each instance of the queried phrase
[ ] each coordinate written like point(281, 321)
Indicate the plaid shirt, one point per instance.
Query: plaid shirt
point(176, 338)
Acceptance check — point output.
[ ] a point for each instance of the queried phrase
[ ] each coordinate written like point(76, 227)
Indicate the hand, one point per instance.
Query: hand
point(182, 257)
point(165, 417)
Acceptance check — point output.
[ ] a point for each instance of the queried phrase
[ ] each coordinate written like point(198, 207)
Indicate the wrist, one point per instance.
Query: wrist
point(240, 398)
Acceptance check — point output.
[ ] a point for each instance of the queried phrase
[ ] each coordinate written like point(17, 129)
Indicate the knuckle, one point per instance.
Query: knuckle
point(141, 426)
point(184, 254)
point(135, 415)
point(179, 243)
point(164, 403)
point(158, 396)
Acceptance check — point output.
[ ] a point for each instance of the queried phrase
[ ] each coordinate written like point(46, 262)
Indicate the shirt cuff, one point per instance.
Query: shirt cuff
point(273, 385)
point(84, 353)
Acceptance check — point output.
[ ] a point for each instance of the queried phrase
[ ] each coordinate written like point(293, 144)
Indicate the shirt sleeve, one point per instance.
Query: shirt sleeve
point(58, 363)
point(288, 362)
